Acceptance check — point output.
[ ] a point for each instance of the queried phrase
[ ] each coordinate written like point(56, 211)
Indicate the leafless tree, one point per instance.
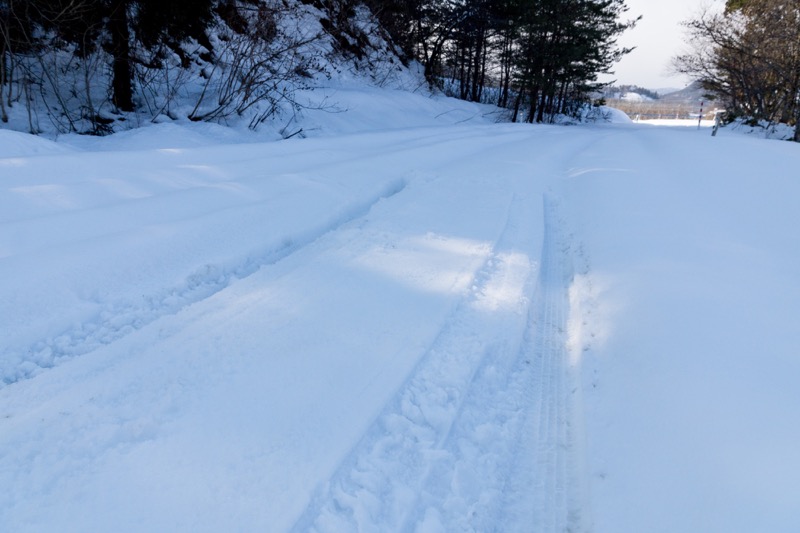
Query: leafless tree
point(257, 68)
point(750, 55)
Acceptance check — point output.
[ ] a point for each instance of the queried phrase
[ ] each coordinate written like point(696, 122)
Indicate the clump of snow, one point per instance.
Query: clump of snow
point(166, 135)
point(764, 129)
point(635, 97)
point(601, 114)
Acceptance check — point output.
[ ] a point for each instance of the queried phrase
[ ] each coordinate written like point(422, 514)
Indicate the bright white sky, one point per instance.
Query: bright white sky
point(658, 37)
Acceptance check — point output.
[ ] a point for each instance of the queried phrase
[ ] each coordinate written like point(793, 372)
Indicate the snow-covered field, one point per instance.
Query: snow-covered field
point(417, 321)
point(678, 122)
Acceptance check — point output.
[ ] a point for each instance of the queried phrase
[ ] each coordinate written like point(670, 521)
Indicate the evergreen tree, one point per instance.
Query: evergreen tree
point(549, 52)
point(117, 25)
point(566, 44)
point(20, 21)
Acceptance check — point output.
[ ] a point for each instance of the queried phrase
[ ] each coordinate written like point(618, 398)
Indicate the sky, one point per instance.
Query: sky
point(658, 37)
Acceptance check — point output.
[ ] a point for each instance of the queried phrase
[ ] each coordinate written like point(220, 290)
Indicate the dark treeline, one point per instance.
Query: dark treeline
point(749, 55)
point(30, 28)
point(89, 62)
point(540, 58)
point(85, 65)
point(618, 91)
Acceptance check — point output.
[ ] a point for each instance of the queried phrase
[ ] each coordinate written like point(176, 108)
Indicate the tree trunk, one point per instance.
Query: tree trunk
point(517, 102)
point(506, 65)
point(542, 106)
point(797, 123)
point(482, 80)
point(535, 104)
point(476, 72)
point(465, 68)
point(3, 112)
point(122, 82)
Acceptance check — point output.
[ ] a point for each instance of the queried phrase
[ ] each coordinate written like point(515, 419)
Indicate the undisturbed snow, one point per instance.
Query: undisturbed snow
point(417, 321)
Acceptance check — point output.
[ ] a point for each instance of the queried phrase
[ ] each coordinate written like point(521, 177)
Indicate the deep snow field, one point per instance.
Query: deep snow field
point(413, 320)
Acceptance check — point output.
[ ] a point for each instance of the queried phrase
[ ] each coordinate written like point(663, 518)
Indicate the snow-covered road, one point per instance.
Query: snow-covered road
point(464, 328)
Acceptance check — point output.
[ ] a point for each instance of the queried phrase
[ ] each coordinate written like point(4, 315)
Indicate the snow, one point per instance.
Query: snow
point(413, 320)
point(14, 144)
point(689, 404)
point(614, 116)
point(635, 97)
point(678, 122)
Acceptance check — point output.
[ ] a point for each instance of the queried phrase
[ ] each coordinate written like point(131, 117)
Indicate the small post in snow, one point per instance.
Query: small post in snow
point(717, 119)
point(700, 117)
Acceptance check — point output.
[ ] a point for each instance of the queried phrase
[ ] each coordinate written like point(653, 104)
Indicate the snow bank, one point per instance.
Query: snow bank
point(344, 108)
point(690, 254)
point(352, 109)
point(615, 116)
point(18, 144)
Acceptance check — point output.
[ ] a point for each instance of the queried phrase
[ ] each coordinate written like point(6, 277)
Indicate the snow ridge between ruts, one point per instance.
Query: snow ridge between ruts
point(546, 490)
point(485, 439)
point(118, 320)
point(385, 484)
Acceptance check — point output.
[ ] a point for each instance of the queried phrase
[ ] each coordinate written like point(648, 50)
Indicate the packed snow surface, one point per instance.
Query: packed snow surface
point(437, 324)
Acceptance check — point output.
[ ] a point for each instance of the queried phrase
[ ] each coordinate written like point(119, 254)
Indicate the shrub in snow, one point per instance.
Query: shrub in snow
point(242, 61)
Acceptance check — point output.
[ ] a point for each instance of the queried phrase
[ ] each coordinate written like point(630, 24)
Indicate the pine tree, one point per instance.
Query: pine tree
point(565, 45)
point(117, 25)
point(152, 22)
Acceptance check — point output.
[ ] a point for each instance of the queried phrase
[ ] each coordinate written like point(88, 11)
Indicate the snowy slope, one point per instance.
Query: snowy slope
point(430, 325)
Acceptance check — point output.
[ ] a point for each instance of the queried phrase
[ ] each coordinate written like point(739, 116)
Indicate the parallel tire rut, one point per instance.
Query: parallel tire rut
point(378, 486)
point(558, 502)
point(118, 319)
point(478, 439)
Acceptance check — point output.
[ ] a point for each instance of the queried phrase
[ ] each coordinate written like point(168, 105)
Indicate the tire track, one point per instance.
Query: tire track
point(377, 486)
point(484, 434)
point(116, 320)
point(558, 503)
point(512, 461)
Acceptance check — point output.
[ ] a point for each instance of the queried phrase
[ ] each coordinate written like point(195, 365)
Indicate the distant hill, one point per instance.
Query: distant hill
point(628, 92)
point(694, 92)
point(681, 104)
point(667, 90)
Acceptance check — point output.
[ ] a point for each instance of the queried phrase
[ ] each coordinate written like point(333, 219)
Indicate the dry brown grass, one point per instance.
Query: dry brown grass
point(656, 109)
